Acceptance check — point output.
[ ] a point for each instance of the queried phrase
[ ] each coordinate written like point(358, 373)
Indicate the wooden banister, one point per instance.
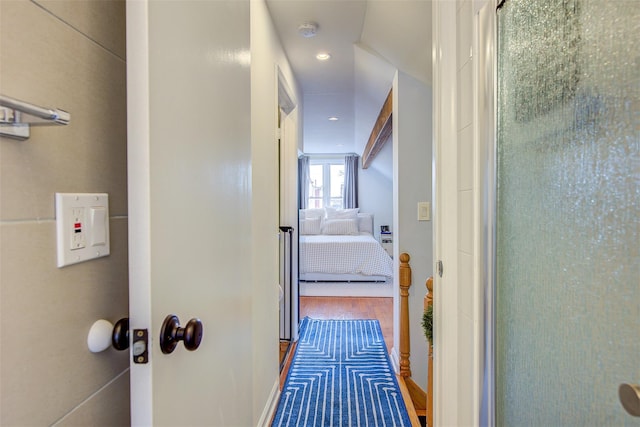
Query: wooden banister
point(418, 396)
point(428, 301)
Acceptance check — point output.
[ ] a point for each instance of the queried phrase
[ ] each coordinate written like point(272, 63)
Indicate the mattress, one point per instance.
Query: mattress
point(343, 254)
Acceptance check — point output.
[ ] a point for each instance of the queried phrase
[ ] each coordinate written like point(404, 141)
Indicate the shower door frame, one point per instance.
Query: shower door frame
point(486, 79)
point(485, 92)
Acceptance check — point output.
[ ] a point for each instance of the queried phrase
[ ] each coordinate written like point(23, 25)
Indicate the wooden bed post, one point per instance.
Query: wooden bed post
point(418, 396)
point(428, 301)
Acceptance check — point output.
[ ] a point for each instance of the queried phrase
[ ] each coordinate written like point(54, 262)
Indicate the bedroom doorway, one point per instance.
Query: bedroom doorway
point(344, 270)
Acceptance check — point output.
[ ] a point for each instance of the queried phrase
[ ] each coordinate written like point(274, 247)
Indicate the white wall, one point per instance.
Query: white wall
point(412, 184)
point(266, 57)
point(373, 80)
point(376, 188)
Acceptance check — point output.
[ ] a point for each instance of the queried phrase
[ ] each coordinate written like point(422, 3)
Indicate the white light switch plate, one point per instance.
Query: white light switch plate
point(424, 211)
point(82, 225)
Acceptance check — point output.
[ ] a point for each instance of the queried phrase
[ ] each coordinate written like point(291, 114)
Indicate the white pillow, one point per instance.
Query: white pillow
point(365, 222)
point(333, 213)
point(340, 226)
point(310, 226)
point(311, 213)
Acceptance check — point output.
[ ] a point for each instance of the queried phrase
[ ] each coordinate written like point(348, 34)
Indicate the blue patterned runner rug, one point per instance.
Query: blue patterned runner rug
point(341, 376)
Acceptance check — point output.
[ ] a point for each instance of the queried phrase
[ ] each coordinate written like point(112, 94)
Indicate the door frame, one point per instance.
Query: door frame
point(138, 186)
point(445, 334)
point(463, 345)
point(288, 203)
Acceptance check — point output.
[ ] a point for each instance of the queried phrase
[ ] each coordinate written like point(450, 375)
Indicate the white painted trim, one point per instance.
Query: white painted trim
point(288, 103)
point(138, 170)
point(395, 360)
point(445, 135)
point(271, 406)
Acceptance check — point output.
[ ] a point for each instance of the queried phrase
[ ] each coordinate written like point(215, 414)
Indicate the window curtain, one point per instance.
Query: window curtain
point(350, 191)
point(303, 181)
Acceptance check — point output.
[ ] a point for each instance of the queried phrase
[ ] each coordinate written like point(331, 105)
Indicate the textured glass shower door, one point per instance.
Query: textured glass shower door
point(568, 211)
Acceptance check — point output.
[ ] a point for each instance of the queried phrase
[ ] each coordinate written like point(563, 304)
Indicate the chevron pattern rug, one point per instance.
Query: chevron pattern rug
point(341, 376)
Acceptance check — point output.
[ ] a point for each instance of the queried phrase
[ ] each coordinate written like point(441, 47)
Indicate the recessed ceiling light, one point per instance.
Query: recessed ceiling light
point(323, 56)
point(333, 118)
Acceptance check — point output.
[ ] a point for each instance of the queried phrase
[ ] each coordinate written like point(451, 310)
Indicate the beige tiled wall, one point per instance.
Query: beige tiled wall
point(68, 55)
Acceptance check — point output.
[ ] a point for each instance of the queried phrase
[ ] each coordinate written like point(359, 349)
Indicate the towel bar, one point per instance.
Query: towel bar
point(16, 116)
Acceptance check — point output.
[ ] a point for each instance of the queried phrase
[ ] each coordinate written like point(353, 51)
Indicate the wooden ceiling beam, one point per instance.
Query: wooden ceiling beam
point(380, 133)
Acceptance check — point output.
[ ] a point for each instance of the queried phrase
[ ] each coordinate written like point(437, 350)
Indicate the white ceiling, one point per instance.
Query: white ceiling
point(368, 40)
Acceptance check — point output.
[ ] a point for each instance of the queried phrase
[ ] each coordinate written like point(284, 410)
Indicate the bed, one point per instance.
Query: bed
point(339, 255)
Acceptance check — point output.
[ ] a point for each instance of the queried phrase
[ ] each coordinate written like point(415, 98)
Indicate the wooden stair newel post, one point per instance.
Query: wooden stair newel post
point(405, 345)
point(428, 301)
point(418, 396)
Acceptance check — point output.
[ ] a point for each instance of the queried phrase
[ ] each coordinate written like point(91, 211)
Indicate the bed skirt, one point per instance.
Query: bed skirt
point(346, 288)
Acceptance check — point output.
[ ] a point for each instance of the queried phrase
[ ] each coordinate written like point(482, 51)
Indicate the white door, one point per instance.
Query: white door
point(189, 207)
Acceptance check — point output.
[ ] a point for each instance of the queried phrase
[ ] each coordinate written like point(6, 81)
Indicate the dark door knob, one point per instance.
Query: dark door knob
point(171, 333)
point(120, 336)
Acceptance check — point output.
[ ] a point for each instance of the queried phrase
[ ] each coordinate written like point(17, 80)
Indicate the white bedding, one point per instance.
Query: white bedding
point(344, 254)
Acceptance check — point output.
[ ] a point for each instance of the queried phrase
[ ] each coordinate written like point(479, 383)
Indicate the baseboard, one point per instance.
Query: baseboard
point(271, 406)
point(395, 361)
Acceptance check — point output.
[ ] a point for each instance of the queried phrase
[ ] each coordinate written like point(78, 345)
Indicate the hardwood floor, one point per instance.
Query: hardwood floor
point(342, 308)
point(352, 308)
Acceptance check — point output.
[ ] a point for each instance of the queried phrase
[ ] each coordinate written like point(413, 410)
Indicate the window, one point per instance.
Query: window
point(326, 181)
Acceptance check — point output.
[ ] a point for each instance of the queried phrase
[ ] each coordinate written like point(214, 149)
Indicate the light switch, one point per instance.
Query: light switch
point(98, 225)
point(82, 225)
point(424, 211)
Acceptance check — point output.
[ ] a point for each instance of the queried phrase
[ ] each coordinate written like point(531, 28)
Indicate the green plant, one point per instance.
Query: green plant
point(427, 323)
